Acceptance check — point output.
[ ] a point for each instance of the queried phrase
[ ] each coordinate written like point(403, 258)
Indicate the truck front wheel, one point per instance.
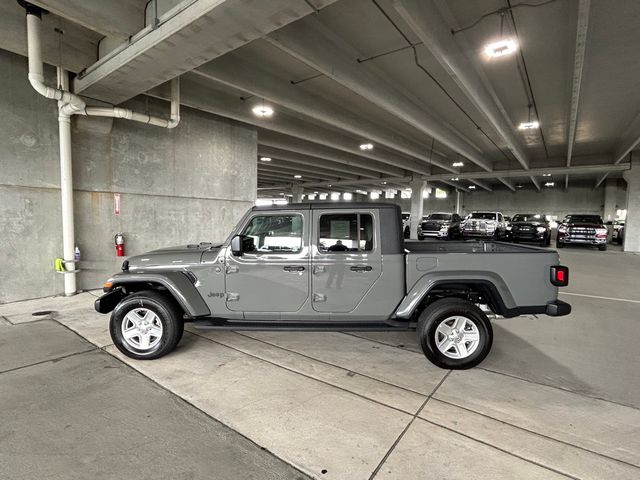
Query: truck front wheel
point(454, 334)
point(146, 325)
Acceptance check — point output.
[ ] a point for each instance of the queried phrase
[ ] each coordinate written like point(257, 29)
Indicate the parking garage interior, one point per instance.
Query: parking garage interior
point(133, 125)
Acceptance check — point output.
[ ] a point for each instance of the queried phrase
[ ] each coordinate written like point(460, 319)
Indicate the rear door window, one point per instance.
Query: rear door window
point(345, 232)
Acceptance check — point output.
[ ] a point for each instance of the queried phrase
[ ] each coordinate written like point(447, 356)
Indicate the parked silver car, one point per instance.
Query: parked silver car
point(488, 225)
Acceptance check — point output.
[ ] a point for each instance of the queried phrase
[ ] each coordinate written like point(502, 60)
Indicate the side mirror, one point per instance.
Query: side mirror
point(236, 246)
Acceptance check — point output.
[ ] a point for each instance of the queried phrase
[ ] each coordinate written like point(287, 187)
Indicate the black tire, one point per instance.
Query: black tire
point(559, 244)
point(439, 312)
point(516, 240)
point(544, 242)
point(166, 311)
point(420, 237)
point(602, 247)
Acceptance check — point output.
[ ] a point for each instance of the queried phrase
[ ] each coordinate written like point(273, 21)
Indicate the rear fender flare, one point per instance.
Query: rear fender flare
point(501, 295)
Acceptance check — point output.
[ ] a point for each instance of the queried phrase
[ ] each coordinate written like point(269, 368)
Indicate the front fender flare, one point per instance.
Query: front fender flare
point(177, 283)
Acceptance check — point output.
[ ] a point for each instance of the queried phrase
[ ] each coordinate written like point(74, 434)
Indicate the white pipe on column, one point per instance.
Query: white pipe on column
point(66, 191)
point(70, 104)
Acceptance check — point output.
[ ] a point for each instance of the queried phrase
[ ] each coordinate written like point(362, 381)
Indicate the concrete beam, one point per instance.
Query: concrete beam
point(630, 142)
point(578, 64)
point(507, 183)
point(281, 162)
point(481, 184)
point(187, 36)
point(536, 182)
point(199, 95)
point(428, 24)
point(453, 184)
point(285, 172)
point(233, 71)
point(115, 18)
point(312, 43)
point(574, 169)
point(78, 44)
point(273, 139)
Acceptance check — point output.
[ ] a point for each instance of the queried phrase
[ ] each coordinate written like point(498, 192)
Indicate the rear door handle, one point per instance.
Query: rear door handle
point(361, 268)
point(294, 268)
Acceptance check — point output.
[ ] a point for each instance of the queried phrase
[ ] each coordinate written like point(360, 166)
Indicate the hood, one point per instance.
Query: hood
point(529, 224)
point(171, 257)
point(584, 225)
point(436, 222)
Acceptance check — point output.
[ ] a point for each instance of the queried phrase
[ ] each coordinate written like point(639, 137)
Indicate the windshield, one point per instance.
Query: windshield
point(583, 219)
point(528, 217)
point(483, 215)
point(439, 216)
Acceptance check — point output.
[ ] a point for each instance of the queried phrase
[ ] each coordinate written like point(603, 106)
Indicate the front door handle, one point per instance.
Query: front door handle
point(294, 268)
point(361, 268)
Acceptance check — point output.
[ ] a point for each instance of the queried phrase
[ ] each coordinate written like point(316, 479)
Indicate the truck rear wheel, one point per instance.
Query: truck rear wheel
point(454, 334)
point(146, 325)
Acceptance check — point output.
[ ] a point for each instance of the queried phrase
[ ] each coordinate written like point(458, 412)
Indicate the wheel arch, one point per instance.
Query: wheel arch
point(178, 285)
point(486, 287)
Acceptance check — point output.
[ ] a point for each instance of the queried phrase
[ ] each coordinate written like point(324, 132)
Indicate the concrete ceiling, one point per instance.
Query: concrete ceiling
point(341, 73)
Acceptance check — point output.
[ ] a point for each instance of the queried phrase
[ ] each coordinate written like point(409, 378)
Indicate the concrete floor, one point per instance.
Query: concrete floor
point(556, 398)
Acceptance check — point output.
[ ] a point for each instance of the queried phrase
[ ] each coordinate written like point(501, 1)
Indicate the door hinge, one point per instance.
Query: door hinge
point(233, 297)
point(319, 297)
point(232, 269)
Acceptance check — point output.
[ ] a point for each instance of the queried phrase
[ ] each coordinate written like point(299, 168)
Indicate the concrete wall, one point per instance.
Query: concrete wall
point(178, 186)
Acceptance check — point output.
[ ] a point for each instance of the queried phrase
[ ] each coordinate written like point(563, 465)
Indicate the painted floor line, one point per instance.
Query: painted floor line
point(601, 298)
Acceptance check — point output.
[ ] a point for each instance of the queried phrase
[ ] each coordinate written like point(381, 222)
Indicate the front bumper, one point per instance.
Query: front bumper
point(107, 302)
point(433, 233)
point(583, 240)
point(477, 234)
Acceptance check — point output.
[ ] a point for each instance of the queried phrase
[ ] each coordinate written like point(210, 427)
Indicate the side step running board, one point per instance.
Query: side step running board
point(222, 324)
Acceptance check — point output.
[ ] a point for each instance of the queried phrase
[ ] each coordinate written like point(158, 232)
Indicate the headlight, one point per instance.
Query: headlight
point(509, 227)
point(562, 229)
point(444, 228)
point(541, 229)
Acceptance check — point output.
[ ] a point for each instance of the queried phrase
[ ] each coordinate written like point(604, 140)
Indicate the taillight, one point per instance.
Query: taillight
point(560, 275)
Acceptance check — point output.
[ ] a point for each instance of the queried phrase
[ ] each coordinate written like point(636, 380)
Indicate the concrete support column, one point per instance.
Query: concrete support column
point(458, 202)
point(417, 206)
point(632, 223)
point(297, 192)
point(610, 188)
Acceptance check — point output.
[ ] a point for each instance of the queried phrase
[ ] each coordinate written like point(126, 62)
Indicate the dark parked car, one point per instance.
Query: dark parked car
point(531, 227)
point(584, 230)
point(617, 236)
point(440, 225)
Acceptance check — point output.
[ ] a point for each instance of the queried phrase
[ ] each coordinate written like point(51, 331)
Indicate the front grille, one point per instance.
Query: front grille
point(582, 231)
point(430, 227)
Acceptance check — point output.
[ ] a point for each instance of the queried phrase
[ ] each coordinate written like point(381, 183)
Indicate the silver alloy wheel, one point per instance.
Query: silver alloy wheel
point(142, 329)
point(457, 337)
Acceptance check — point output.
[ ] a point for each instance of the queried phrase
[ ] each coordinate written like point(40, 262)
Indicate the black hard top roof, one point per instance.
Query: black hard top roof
point(326, 206)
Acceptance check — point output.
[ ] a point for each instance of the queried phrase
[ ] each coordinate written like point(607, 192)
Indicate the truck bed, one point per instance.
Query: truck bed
point(521, 273)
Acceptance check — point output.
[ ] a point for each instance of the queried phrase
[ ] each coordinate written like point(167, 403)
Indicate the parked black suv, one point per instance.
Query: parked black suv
point(440, 225)
point(584, 230)
point(531, 227)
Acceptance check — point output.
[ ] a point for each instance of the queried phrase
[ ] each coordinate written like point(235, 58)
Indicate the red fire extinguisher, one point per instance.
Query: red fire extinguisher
point(119, 242)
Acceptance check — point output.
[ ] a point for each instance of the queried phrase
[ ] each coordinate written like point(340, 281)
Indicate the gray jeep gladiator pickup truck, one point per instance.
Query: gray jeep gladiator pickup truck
point(338, 266)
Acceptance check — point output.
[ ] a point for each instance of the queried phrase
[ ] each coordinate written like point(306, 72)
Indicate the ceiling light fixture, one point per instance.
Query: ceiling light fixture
point(366, 146)
point(529, 125)
point(549, 184)
point(347, 195)
point(472, 187)
point(519, 186)
point(457, 164)
point(265, 159)
point(335, 196)
point(501, 48)
point(297, 176)
point(546, 174)
point(383, 183)
point(455, 179)
point(263, 111)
